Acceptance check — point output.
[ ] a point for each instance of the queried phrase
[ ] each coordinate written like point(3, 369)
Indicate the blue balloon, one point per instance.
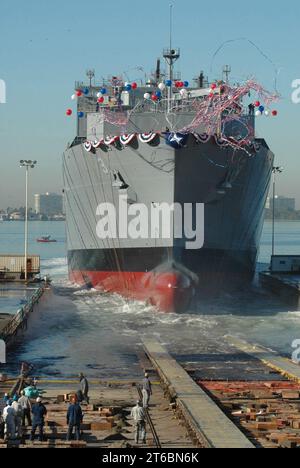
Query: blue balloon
point(80, 115)
point(86, 91)
point(158, 94)
point(128, 87)
point(186, 84)
point(103, 91)
point(261, 108)
point(168, 83)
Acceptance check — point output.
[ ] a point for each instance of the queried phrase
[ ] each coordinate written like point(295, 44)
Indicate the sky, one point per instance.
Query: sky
point(46, 46)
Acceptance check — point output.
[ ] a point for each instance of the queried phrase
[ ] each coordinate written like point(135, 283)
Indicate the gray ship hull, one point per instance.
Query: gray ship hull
point(232, 186)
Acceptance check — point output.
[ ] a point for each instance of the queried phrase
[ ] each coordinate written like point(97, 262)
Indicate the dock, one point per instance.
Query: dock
point(10, 324)
point(286, 367)
point(283, 279)
point(257, 409)
point(210, 425)
point(107, 422)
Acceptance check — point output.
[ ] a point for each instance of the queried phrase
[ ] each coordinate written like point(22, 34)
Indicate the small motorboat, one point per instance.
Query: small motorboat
point(46, 240)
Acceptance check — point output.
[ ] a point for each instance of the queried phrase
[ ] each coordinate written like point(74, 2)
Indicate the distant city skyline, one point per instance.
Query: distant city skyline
point(49, 46)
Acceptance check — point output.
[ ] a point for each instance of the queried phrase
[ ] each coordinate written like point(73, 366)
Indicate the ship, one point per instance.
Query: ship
point(150, 144)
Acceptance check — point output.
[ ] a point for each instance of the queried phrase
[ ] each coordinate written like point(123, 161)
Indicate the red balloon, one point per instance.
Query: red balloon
point(213, 86)
point(211, 95)
point(78, 93)
point(69, 112)
point(134, 85)
point(257, 104)
point(101, 100)
point(274, 113)
point(154, 97)
point(181, 84)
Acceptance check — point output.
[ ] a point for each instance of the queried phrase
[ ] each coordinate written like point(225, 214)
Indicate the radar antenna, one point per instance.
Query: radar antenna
point(91, 75)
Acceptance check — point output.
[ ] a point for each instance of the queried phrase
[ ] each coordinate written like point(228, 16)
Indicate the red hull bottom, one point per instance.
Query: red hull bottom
point(168, 291)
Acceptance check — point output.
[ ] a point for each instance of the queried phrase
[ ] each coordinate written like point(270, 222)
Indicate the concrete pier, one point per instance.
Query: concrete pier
point(11, 323)
point(285, 367)
point(205, 418)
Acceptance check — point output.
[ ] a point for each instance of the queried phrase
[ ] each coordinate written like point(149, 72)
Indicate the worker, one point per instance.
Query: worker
point(38, 420)
point(74, 419)
point(25, 403)
point(146, 390)
point(251, 108)
point(84, 387)
point(5, 398)
point(139, 417)
point(9, 420)
point(18, 416)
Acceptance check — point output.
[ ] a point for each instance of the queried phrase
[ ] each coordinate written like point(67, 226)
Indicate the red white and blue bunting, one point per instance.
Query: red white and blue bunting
point(87, 146)
point(203, 138)
point(147, 137)
point(177, 140)
point(97, 143)
point(110, 140)
point(220, 141)
point(127, 139)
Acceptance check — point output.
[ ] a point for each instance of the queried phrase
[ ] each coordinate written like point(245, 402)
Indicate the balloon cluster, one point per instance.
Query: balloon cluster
point(130, 86)
point(262, 110)
point(157, 95)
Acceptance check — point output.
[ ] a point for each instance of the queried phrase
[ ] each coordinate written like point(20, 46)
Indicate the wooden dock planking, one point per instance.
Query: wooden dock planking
point(215, 429)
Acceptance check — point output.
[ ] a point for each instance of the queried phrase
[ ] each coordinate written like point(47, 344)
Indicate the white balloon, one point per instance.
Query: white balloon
point(99, 95)
point(267, 113)
point(183, 92)
point(147, 96)
point(162, 86)
point(126, 84)
point(258, 113)
point(73, 97)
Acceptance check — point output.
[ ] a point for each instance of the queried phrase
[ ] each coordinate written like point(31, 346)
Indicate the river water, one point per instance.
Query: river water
point(99, 334)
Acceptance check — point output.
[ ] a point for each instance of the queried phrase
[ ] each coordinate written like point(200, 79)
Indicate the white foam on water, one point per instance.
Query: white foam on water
point(99, 333)
point(57, 268)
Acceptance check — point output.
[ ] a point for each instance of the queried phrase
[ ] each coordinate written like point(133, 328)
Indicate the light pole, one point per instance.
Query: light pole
point(28, 165)
point(276, 170)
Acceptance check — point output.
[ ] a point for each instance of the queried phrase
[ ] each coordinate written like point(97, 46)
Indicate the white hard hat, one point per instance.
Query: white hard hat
point(38, 400)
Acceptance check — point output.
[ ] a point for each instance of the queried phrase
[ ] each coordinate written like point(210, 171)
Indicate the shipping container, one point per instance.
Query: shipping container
point(15, 264)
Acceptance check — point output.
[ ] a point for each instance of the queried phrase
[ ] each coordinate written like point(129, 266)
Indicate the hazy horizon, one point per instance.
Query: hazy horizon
point(47, 47)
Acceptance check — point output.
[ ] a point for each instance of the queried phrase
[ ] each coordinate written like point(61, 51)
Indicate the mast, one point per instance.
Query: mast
point(171, 56)
point(91, 75)
point(226, 73)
